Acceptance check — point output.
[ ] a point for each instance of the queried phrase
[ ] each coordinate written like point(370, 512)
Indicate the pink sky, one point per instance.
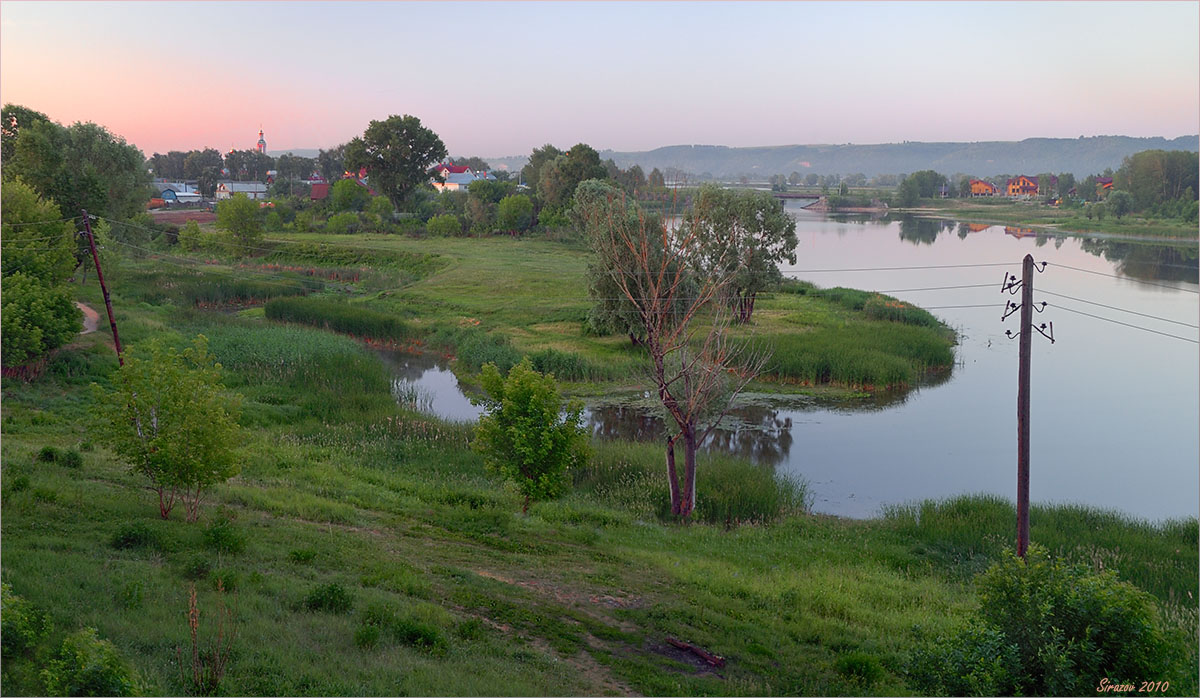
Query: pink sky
point(498, 79)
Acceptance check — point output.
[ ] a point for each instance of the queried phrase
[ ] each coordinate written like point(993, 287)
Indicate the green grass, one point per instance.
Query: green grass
point(1030, 214)
point(339, 316)
point(370, 552)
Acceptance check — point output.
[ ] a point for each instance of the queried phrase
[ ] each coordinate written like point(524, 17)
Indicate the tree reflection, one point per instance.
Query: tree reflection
point(1148, 262)
point(923, 230)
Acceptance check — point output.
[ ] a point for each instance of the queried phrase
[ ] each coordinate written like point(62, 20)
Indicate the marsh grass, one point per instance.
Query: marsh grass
point(339, 316)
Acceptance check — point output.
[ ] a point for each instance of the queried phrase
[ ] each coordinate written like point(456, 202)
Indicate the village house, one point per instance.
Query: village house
point(456, 177)
point(252, 190)
point(1022, 186)
point(982, 188)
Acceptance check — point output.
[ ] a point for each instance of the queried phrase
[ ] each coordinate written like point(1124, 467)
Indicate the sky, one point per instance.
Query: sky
point(501, 78)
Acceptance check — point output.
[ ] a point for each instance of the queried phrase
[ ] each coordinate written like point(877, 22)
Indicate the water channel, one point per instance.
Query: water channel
point(1115, 409)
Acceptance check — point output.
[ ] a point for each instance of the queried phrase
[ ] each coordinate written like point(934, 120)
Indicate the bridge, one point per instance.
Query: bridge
point(816, 201)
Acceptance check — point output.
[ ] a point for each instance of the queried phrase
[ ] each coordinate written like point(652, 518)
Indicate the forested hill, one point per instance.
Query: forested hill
point(1082, 156)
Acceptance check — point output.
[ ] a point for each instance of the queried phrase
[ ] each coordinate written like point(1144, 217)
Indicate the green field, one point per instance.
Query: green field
point(366, 550)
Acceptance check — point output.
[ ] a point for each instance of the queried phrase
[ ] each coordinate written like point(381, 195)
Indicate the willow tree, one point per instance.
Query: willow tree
point(672, 289)
point(744, 236)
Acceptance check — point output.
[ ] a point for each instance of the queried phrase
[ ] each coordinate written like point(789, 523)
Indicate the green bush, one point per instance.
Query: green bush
point(379, 620)
point(85, 665)
point(49, 454)
point(197, 567)
point(136, 535)
point(330, 597)
point(303, 556)
point(444, 225)
point(524, 436)
point(72, 459)
point(1045, 628)
point(345, 223)
point(222, 536)
point(22, 626)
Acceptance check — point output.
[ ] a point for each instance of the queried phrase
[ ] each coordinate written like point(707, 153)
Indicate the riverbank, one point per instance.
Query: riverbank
point(1054, 220)
point(443, 587)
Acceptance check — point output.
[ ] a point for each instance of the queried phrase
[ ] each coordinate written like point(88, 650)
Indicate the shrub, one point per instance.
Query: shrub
point(49, 454)
point(379, 620)
point(85, 665)
point(330, 597)
point(197, 567)
point(22, 626)
point(19, 483)
point(859, 665)
point(302, 557)
point(345, 223)
point(524, 435)
point(189, 237)
point(444, 225)
point(135, 535)
point(1045, 628)
point(222, 536)
point(188, 444)
point(72, 459)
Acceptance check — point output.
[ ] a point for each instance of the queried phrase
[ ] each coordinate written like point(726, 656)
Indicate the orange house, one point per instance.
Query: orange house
point(1022, 186)
point(982, 188)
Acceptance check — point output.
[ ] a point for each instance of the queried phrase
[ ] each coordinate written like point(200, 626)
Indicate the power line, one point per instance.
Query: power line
point(19, 225)
point(937, 288)
point(1114, 276)
point(1122, 310)
point(1125, 324)
point(927, 266)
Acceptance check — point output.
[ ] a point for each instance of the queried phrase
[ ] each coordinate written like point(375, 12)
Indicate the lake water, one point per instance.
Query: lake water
point(1115, 410)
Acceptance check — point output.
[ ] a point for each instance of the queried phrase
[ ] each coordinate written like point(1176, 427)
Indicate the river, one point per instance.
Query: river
point(1115, 407)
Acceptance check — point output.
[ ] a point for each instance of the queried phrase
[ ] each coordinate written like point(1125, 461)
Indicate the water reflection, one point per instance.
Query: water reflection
point(1149, 262)
point(920, 231)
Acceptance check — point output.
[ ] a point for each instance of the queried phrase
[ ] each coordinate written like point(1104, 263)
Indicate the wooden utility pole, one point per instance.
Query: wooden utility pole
point(112, 322)
point(1025, 348)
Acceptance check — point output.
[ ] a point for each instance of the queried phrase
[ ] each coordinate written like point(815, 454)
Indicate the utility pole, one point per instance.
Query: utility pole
point(1025, 350)
point(112, 322)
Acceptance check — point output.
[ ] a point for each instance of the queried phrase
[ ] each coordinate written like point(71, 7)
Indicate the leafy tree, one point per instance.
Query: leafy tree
point(811, 179)
point(1066, 182)
point(169, 419)
point(381, 206)
point(532, 172)
point(240, 216)
point(750, 234)
point(1155, 176)
point(397, 154)
point(13, 118)
point(348, 195)
point(1120, 202)
point(477, 164)
point(964, 188)
point(560, 177)
point(80, 166)
point(632, 179)
point(528, 435)
point(480, 216)
point(927, 183)
point(656, 179)
point(655, 272)
point(37, 259)
point(515, 212)
point(909, 192)
point(204, 166)
point(332, 163)
point(489, 191)
point(189, 236)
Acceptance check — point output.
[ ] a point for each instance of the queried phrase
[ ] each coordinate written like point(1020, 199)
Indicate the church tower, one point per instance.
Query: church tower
point(262, 142)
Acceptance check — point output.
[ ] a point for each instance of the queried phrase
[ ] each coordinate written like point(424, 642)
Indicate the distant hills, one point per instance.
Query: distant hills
point(1081, 156)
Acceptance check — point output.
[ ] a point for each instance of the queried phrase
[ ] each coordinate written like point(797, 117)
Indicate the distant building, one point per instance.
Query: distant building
point(252, 190)
point(1022, 186)
point(457, 177)
point(320, 191)
point(262, 143)
point(1103, 186)
point(982, 188)
point(177, 192)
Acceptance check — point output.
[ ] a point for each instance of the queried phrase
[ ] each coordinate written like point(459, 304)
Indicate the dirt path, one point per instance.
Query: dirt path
point(91, 319)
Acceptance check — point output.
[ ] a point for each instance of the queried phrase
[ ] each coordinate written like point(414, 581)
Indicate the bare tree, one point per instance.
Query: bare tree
point(672, 287)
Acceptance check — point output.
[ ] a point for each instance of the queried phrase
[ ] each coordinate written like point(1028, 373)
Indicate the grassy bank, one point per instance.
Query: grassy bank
point(1042, 217)
point(366, 551)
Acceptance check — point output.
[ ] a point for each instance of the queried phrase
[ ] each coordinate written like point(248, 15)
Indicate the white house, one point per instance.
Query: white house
point(252, 190)
point(457, 177)
point(177, 192)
